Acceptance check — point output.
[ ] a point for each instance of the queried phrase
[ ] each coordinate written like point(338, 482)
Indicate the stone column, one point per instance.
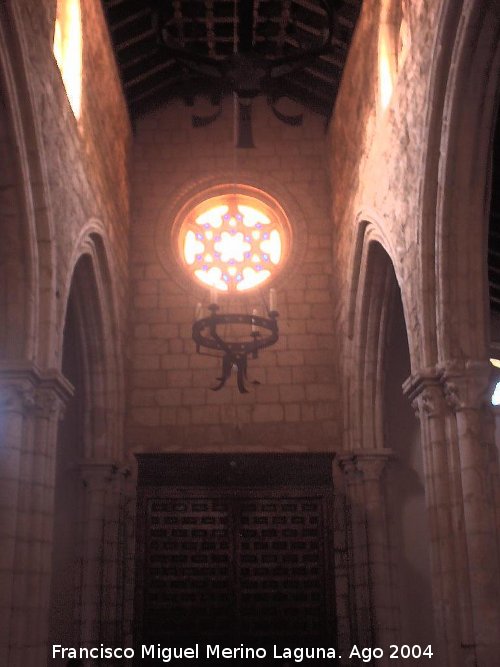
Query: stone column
point(112, 629)
point(360, 613)
point(371, 465)
point(50, 400)
point(16, 397)
point(494, 422)
point(425, 392)
point(99, 541)
point(468, 387)
point(30, 435)
point(341, 562)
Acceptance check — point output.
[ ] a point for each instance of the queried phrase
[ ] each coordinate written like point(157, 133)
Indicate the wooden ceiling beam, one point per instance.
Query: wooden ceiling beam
point(148, 73)
point(130, 18)
point(142, 36)
point(317, 92)
point(109, 4)
point(310, 6)
point(155, 89)
point(320, 75)
point(147, 70)
point(138, 58)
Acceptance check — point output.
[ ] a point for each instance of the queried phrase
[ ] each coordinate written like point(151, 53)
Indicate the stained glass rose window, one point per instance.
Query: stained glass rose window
point(233, 243)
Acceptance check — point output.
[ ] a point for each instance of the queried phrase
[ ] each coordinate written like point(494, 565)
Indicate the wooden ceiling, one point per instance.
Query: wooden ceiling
point(155, 69)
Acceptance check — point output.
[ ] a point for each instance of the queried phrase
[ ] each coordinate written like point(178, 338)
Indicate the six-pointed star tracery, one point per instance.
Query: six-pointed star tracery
point(232, 246)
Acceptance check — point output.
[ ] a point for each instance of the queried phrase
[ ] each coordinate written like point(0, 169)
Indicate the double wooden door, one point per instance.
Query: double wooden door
point(235, 564)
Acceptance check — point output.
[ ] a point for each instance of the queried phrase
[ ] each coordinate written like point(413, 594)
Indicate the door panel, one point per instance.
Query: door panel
point(235, 564)
point(188, 569)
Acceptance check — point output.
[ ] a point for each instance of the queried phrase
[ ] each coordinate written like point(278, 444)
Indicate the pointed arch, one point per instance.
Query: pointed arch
point(372, 293)
point(91, 294)
point(455, 189)
point(88, 452)
point(27, 261)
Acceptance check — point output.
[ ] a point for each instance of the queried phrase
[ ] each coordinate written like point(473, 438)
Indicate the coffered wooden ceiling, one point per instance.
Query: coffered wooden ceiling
point(156, 43)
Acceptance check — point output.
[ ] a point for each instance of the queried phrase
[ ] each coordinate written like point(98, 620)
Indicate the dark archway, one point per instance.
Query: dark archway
point(66, 556)
point(406, 508)
point(84, 560)
point(385, 472)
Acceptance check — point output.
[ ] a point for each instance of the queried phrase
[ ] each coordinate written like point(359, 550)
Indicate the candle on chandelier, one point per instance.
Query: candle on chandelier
point(213, 296)
point(273, 300)
point(198, 311)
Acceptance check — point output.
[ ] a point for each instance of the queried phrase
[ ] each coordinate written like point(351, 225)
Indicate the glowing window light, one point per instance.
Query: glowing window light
point(252, 278)
point(67, 50)
point(495, 398)
point(233, 245)
point(272, 247)
point(252, 216)
point(385, 74)
point(212, 278)
point(213, 217)
point(192, 247)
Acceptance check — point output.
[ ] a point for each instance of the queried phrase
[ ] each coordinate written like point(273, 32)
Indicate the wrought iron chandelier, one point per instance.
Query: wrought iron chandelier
point(262, 332)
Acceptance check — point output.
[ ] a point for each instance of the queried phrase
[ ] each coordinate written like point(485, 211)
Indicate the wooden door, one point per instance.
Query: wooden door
point(233, 563)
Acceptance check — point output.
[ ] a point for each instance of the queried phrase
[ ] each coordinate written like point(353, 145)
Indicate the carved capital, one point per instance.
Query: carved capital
point(348, 466)
point(16, 397)
point(352, 475)
point(373, 464)
point(467, 385)
point(47, 403)
point(26, 389)
point(426, 392)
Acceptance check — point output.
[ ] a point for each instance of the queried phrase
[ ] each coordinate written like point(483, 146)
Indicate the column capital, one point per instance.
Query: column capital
point(365, 464)
point(418, 382)
point(426, 393)
point(26, 388)
point(468, 384)
point(347, 464)
point(16, 396)
point(372, 463)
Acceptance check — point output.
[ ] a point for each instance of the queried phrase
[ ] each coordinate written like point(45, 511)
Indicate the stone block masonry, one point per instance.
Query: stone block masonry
point(170, 402)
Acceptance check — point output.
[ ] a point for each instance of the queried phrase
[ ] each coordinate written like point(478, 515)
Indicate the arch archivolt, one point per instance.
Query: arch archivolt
point(455, 193)
point(462, 207)
point(27, 262)
point(368, 227)
point(370, 299)
point(91, 292)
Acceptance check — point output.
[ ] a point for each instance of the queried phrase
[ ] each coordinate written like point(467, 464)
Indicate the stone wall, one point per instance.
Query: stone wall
point(170, 404)
point(363, 136)
point(415, 175)
point(66, 186)
point(86, 160)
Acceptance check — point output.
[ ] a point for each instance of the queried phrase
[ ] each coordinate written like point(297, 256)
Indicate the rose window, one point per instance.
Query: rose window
point(232, 243)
